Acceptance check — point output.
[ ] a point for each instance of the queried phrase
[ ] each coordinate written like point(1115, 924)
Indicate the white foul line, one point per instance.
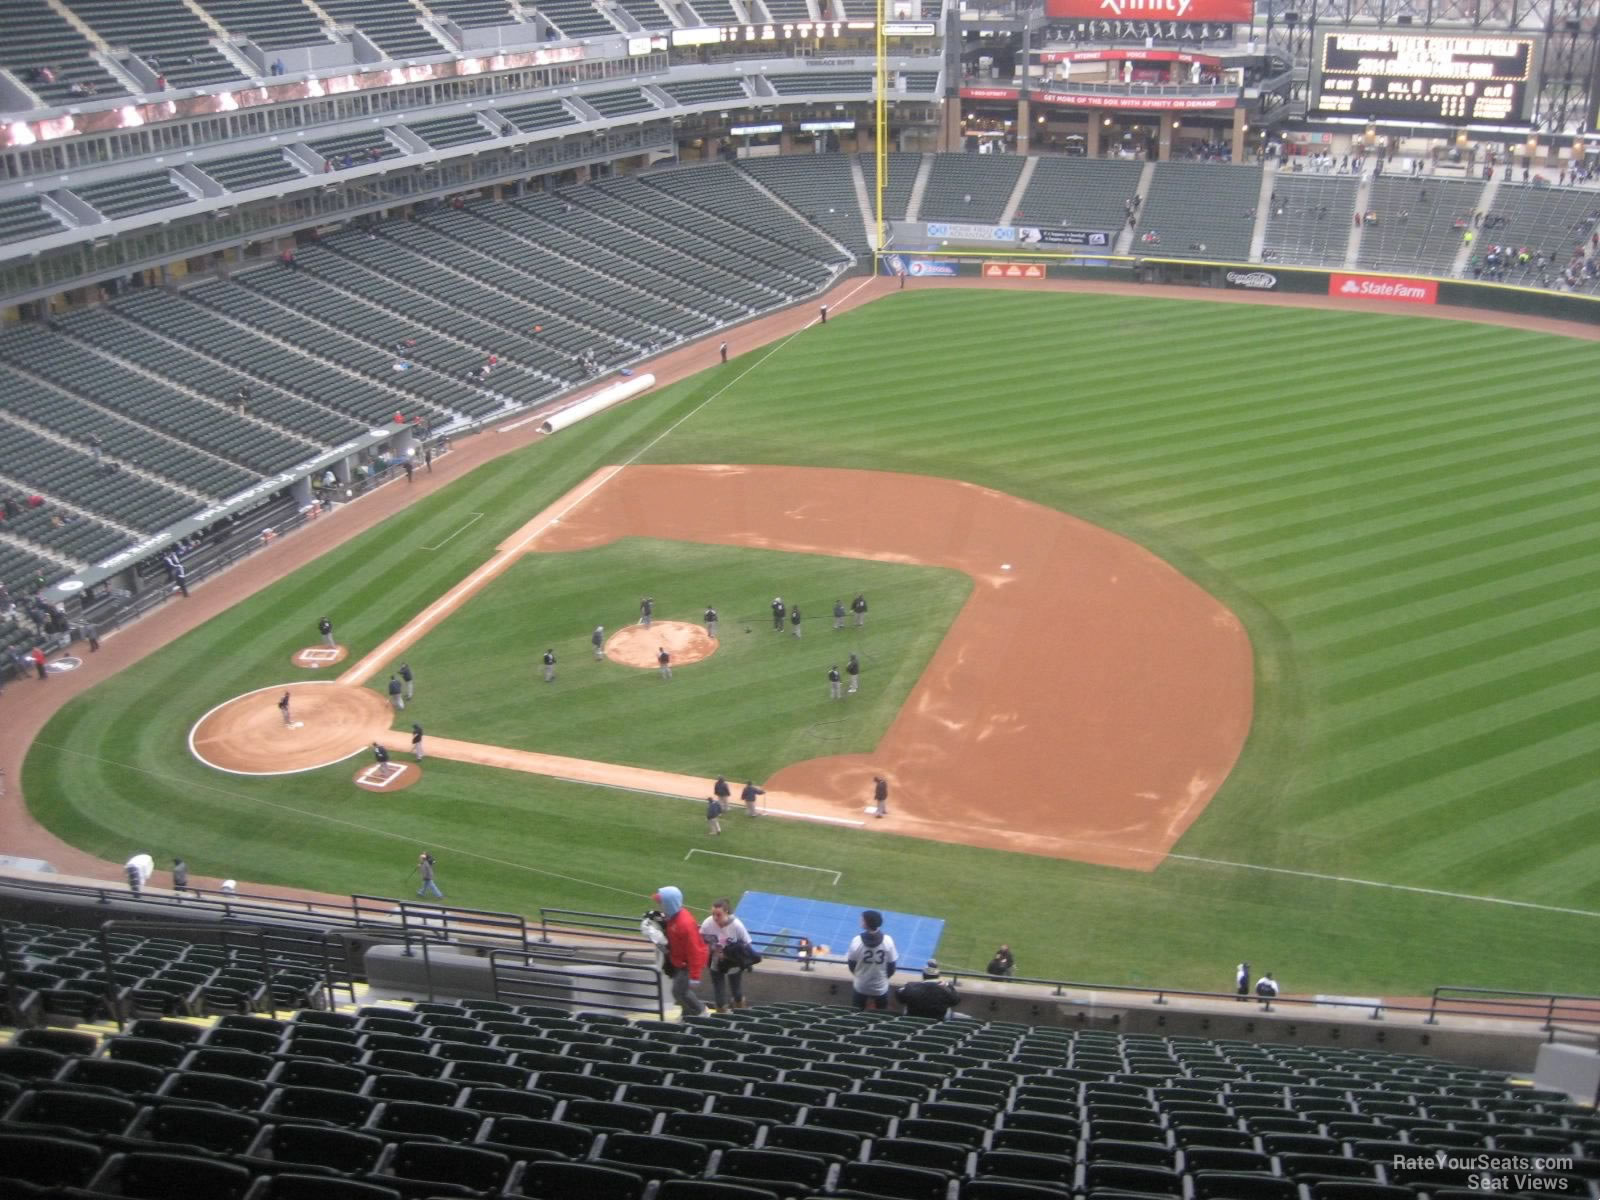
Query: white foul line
point(420, 624)
point(1397, 887)
point(476, 517)
point(771, 862)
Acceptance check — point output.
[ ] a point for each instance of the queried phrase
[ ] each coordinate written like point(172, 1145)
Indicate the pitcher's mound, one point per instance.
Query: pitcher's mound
point(312, 657)
point(636, 646)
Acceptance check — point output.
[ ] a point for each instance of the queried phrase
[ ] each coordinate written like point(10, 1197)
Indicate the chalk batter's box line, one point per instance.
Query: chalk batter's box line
point(379, 776)
point(771, 862)
point(476, 517)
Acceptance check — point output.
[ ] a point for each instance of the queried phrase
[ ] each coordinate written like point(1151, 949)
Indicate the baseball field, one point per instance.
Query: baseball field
point(1401, 514)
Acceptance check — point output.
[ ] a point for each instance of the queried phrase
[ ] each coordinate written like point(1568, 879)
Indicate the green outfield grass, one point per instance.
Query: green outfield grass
point(1403, 512)
point(760, 702)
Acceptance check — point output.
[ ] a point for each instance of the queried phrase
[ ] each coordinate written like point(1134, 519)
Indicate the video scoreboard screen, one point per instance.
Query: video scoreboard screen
point(1426, 77)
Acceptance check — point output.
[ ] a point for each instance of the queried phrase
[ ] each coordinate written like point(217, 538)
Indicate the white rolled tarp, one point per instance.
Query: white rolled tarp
point(614, 393)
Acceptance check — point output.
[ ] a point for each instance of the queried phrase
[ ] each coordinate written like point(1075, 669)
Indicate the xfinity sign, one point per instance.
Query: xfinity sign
point(1239, 12)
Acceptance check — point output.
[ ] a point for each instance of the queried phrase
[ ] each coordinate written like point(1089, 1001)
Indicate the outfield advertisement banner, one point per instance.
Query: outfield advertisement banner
point(1384, 287)
point(951, 232)
point(899, 264)
point(1255, 281)
point(1030, 235)
point(1004, 270)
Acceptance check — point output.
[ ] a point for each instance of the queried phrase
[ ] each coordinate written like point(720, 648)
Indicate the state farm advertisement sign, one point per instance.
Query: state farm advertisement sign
point(1239, 12)
point(1383, 287)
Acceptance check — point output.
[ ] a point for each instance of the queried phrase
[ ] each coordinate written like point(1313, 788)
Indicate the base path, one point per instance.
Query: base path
point(1087, 702)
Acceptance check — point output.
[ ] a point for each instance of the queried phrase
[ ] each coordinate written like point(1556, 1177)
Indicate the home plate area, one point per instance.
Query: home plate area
point(387, 777)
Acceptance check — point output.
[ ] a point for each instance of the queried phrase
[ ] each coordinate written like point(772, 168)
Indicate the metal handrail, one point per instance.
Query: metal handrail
point(614, 927)
point(1548, 1002)
point(444, 922)
point(504, 973)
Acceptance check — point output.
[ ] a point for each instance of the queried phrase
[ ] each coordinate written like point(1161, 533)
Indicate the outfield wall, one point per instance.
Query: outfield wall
point(1387, 292)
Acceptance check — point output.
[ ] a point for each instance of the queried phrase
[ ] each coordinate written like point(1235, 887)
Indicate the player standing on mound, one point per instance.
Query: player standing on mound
point(283, 708)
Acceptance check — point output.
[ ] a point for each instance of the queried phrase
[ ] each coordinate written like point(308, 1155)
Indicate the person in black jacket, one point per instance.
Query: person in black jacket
point(749, 796)
point(880, 794)
point(853, 669)
point(778, 613)
point(325, 628)
point(550, 665)
point(930, 996)
point(859, 607)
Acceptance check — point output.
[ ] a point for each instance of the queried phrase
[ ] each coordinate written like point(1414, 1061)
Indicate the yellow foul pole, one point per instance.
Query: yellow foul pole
point(880, 131)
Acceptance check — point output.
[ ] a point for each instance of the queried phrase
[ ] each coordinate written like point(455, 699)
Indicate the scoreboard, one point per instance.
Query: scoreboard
point(1426, 77)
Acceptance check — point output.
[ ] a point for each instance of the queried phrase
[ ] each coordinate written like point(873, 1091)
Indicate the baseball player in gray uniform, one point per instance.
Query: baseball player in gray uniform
point(853, 669)
point(597, 639)
point(838, 614)
point(550, 666)
point(664, 661)
point(647, 611)
point(833, 682)
point(711, 620)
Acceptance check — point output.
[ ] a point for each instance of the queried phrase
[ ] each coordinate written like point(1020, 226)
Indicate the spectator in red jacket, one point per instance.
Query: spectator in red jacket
point(686, 950)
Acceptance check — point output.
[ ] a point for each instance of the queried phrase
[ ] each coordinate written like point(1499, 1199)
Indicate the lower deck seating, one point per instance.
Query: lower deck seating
point(489, 1099)
point(1200, 210)
point(970, 187)
point(1309, 219)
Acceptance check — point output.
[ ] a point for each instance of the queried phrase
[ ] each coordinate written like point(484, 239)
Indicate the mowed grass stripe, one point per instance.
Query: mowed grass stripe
point(1366, 553)
point(1521, 631)
point(1256, 483)
point(1460, 627)
point(1420, 506)
point(1327, 602)
point(1466, 693)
